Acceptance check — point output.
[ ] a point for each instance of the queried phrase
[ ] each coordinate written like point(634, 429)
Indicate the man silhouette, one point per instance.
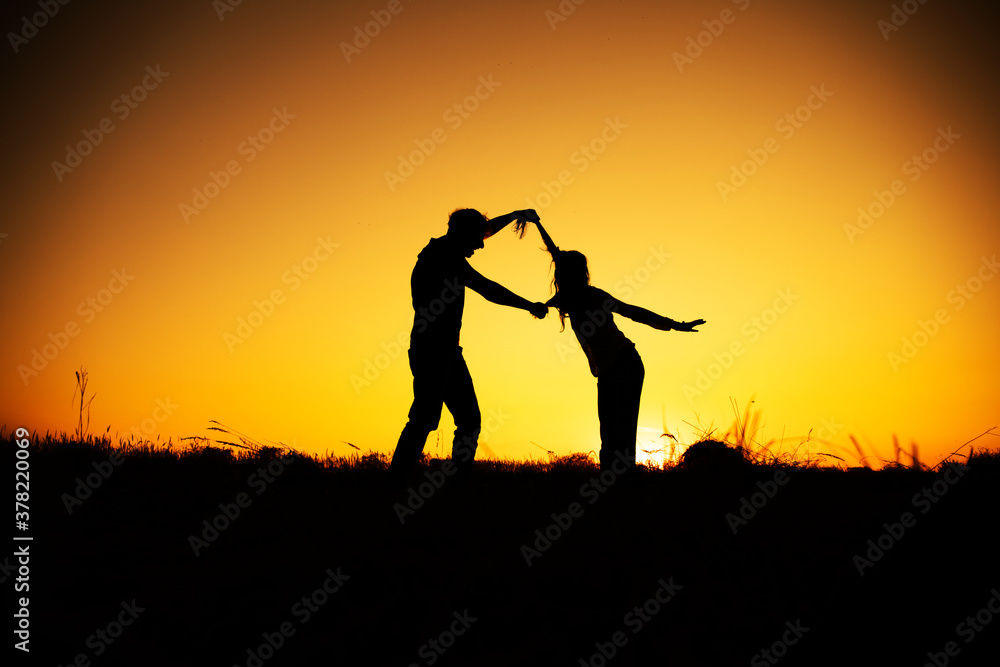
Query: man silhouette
point(440, 376)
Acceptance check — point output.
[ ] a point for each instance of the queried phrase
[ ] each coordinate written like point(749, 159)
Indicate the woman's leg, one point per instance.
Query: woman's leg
point(634, 374)
point(619, 389)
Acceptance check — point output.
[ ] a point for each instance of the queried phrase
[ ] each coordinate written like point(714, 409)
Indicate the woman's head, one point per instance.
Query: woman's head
point(571, 276)
point(571, 270)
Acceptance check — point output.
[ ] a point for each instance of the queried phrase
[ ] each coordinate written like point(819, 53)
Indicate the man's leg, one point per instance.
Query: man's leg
point(460, 397)
point(430, 373)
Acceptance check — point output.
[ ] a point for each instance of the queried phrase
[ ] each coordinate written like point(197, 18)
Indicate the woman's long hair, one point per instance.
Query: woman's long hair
point(570, 280)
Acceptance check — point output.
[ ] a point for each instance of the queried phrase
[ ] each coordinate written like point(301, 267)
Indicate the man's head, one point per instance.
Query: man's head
point(467, 228)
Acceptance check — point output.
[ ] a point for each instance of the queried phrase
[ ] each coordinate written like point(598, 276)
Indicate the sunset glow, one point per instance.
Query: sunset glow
point(215, 208)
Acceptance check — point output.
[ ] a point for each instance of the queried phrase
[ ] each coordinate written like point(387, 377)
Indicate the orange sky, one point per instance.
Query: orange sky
point(256, 164)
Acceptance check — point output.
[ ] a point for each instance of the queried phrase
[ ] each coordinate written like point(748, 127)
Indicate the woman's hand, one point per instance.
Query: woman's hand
point(539, 310)
point(527, 214)
point(688, 326)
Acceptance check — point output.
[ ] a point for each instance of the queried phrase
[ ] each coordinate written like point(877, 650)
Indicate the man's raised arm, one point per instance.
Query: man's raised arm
point(496, 224)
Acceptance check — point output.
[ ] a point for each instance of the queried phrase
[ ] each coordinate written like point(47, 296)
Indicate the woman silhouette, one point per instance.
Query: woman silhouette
point(613, 358)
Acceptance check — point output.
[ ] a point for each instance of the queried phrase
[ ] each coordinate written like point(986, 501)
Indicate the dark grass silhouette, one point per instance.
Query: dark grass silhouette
point(462, 550)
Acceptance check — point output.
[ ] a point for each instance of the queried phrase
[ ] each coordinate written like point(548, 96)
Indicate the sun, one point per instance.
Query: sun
point(655, 449)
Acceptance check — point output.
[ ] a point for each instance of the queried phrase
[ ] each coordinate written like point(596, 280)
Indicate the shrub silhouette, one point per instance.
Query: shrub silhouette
point(713, 454)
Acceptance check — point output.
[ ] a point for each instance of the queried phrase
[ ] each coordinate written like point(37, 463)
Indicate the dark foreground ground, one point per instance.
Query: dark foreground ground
point(318, 568)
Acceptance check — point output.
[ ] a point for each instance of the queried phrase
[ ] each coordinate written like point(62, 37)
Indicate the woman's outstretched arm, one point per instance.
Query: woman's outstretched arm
point(648, 317)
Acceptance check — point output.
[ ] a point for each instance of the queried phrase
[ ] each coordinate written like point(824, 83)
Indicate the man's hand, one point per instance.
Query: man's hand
point(527, 214)
point(688, 326)
point(539, 310)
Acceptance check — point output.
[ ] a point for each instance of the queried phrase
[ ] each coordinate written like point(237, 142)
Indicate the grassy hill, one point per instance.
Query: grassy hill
point(158, 556)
